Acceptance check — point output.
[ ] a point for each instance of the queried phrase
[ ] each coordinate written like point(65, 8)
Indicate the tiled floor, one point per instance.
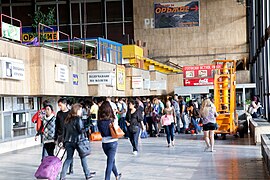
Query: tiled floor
point(234, 159)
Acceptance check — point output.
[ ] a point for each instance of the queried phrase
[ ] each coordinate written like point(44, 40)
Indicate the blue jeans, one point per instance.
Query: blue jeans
point(110, 151)
point(134, 139)
point(169, 132)
point(195, 124)
point(70, 148)
point(178, 121)
point(123, 126)
point(183, 121)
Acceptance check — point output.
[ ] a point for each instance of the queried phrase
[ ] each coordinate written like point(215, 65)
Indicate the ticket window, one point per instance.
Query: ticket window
point(19, 124)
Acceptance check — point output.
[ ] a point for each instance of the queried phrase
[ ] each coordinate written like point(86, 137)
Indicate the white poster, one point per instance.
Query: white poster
point(101, 77)
point(12, 68)
point(137, 82)
point(61, 73)
point(158, 85)
point(146, 84)
point(11, 32)
point(7, 104)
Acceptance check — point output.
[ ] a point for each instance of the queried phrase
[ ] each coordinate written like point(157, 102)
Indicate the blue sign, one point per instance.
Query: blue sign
point(75, 79)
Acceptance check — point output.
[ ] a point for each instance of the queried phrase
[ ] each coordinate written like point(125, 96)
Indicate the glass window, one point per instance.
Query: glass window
point(239, 99)
point(19, 124)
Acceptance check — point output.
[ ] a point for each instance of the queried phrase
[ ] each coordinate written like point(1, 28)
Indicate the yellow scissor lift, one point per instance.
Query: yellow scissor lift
point(225, 97)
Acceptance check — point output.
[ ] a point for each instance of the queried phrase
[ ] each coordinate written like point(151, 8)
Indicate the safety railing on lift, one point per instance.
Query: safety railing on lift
point(11, 18)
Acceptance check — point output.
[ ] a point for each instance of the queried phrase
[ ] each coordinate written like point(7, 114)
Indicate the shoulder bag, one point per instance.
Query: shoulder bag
point(116, 131)
point(84, 147)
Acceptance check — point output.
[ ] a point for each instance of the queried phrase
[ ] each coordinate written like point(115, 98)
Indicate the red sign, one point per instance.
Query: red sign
point(199, 75)
point(199, 82)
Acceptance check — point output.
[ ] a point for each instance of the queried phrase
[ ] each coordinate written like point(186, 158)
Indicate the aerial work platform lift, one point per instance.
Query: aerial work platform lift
point(225, 97)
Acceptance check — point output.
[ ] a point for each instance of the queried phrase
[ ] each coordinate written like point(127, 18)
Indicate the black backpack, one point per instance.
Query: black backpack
point(196, 112)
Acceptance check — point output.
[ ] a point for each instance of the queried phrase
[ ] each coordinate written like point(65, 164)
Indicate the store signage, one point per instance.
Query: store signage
point(199, 75)
point(178, 14)
point(75, 79)
point(11, 32)
point(28, 35)
point(146, 84)
point(61, 73)
point(12, 68)
point(101, 77)
point(120, 77)
point(137, 82)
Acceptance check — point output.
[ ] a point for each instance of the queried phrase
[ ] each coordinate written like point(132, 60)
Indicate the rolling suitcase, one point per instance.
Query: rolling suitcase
point(50, 166)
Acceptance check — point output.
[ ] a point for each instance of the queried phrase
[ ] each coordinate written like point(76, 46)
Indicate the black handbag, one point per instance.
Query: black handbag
point(84, 147)
point(133, 128)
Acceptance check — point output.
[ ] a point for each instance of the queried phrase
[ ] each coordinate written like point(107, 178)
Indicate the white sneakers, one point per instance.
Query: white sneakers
point(209, 149)
point(135, 153)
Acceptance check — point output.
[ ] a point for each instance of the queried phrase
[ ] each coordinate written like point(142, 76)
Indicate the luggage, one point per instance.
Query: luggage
point(96, 136)
point(144, 134)
point(50, 167)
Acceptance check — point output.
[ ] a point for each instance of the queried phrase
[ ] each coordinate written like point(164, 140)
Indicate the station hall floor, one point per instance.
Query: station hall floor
point(235, 158)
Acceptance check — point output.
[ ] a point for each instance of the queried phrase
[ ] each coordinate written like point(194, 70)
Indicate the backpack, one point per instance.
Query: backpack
point(196, 112)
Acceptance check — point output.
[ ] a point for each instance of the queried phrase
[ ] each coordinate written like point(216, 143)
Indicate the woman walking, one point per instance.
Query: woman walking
point(48, 123)
point(134, 122)
point(73, 128)
point(168, 122)
point(109, 145)
point(209, 114)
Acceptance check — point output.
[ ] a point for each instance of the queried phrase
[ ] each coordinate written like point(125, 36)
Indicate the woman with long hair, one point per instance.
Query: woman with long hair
point(168, 121)
point(109, 145)
point(209, 114)
point(73, 129)
point(134, 122)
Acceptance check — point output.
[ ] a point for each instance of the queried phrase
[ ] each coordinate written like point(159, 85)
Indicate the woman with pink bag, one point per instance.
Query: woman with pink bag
point(168, 122)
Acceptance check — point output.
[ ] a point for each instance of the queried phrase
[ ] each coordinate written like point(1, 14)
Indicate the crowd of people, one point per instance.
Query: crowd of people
point(135, 116)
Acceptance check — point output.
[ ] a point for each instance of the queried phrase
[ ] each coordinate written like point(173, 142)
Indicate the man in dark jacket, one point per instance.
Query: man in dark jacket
point(60, 118)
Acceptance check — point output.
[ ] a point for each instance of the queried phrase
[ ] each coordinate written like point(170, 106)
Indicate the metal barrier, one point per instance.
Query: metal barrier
point(11, 18)
point(68, 40)
point(40, 24)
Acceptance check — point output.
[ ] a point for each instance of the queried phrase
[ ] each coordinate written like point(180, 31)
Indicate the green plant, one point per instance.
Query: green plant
point(46, 19)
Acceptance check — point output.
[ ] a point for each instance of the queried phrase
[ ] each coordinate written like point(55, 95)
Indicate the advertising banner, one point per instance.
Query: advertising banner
point(199, 75)
point(178, 14)
point(12, 68)
point(11, 32)
point(120, 77)
point(101, 77)
point(61, 73)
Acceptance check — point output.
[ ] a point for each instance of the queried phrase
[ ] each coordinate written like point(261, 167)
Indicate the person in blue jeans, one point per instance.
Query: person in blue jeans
point(134, 122)
point(123, 112)
point(168, 121)
point(73, 128)
point(191, 112)
point(109, 145)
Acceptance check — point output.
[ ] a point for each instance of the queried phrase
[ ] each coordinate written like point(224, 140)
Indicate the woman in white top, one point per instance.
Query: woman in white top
point(168, 122)
point(209, 114)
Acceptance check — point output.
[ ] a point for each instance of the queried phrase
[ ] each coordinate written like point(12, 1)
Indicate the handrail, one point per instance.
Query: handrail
point(40, 24)
point(68, 40)
point(1, 20)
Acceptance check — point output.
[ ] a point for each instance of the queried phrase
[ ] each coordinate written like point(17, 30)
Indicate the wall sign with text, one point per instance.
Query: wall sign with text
point(12, 68)
point(61, 73)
